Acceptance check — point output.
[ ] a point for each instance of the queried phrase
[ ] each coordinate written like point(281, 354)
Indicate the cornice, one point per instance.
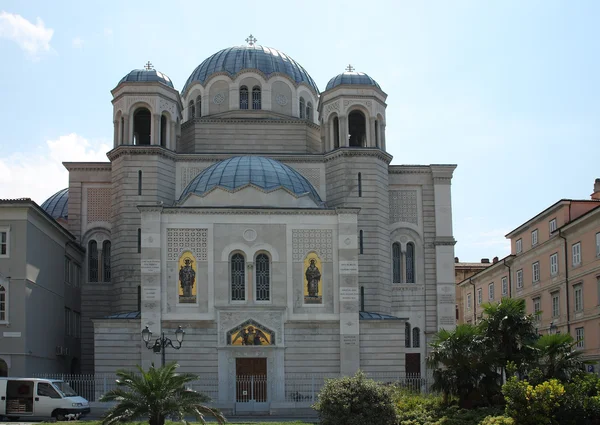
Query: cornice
point(88, 166)
point(409, 169)
point(444, 241)
point(354, 152)
point(141, 150)
point(247, 211)
point(258, 121)
point(216, 157)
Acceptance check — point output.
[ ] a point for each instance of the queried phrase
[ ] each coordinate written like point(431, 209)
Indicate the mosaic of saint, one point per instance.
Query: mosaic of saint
point(187, 278)
point(250, 333)
point(313, 287)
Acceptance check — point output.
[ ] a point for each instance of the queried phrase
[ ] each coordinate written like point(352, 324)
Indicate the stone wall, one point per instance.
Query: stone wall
point(118, 345)
point(312, 347)
point(198, 354)
point(382, 346)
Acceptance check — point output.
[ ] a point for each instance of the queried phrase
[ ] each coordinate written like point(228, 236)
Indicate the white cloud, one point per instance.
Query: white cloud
point(39, 174)
point(77, 42)
point(33, 39)
point(108, 32)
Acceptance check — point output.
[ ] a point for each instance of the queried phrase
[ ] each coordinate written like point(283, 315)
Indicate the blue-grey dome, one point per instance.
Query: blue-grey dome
point(146, 75)
point(240, 171)
point(58, 204)
point(265, 59)
point(352, 78)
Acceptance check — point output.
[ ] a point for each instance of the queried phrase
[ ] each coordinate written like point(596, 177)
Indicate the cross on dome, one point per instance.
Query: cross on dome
point(148, 66)
point(251, 40)
point(350, 68)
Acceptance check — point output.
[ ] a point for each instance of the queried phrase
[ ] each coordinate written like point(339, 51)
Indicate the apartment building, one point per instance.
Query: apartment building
point(555, 266)
point(462, 271)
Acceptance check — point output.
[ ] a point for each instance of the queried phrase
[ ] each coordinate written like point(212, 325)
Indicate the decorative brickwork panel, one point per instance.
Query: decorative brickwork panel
point(194, 240)
point(188, 174)
point(318, 240)
point(98, 204)
point(313, 175)
point(403, 206)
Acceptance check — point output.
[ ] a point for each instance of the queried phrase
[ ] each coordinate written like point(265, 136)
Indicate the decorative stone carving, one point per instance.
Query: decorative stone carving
point(271, 320)
point(333, 106)
point(165, 105)
point(194, 240)
point(98, 204)
point(403, 206)
point(349, 102)
point(313, 175)
point(281, 99)
point(188, 174)
point(219, 98)
point(250, 235)
point(147, 99)
point(318, 240)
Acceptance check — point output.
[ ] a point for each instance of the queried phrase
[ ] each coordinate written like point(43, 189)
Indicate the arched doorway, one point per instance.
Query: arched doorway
point(3, 369)
point(357, 127)
point(141, 126)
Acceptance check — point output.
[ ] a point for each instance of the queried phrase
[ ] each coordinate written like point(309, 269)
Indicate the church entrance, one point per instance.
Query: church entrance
point(251, 385)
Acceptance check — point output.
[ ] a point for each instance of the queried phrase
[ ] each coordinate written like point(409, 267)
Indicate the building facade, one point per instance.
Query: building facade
point(263, 217)
point(40, 292)
point(555, 266)
point(463, 271)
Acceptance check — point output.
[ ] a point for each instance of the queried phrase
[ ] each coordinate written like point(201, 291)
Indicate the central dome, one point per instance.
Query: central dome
point(265, 59)
point(238, 172)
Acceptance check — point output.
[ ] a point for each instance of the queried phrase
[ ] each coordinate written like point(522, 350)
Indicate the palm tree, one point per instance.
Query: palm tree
point(557, 356)
point(509, 329)
point(462, 363)
point(157, 394)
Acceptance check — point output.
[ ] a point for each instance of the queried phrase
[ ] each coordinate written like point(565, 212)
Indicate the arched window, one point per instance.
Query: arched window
point(410, 262)
point(396, 263)
point(191, 110)
point(141, 127)
point(139, 298)
point(139, 241)
point(376, 134)
point(416, 336)
point(263, 277)
point(360, 241)
point(309, 111)
point(302, 108)
point(199, 106)
point(139, 182)
point(362, 298)
point(407, 335)
point(3, 304)
point(256, 98)
point(106, 261)
point(93, 261)
point(336, 133)
point(357, 128)
point(238, 277)
point(359, 185)
point(163, 131)
point(243, 97)
point(122, 138)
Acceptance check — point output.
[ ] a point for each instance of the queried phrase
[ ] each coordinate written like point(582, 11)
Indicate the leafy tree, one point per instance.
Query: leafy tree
point(509, 330)
point(156, 394)
point(557, 357)
point(463, 364)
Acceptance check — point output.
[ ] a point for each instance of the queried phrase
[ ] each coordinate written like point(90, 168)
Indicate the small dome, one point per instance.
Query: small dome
point(235, 173)
point(265, 59)
point(352, 78)
point(146, 75)
point(58, 204)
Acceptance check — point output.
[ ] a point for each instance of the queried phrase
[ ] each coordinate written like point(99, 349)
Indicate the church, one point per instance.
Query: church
point(263, 218)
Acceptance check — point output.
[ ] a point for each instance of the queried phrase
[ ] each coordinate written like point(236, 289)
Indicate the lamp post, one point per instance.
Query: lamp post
point(162, 342)
point(553, 327)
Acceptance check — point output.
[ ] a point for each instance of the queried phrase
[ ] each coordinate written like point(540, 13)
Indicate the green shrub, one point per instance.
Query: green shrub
point(355, 401)
point(497, 420)
point(529, 405)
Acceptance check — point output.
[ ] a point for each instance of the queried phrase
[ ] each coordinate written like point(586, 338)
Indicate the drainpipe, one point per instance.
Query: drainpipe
point(567, 277)
point(509, 279)
point(474, 303)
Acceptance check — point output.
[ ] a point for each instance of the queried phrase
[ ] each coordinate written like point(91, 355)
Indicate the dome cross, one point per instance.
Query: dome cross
point(251, 40)
point(148, 66)
point(350, 68)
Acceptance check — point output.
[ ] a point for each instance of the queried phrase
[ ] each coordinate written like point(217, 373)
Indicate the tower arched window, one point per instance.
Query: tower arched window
point(416, 337)
point(243, 97)
point(163, 131)
point(139, 182)
point(93, 261)
point(191, 110)
point(263, 277)
point(3, 304)
point(360, 242)
point(359, 185)
point(410, 262)
point(376, 134)
point(256, 98)
point(309, 111)
point(357, 128)
point(199, 106)
point(396, 263)
point(407, 335)
point(122, 137)
point(141, 127)
point(238, 277)
point(336, 133)
point(302, 108)
point(106, 268)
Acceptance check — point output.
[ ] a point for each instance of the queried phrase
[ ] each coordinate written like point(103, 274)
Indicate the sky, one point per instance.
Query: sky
point(507, 90)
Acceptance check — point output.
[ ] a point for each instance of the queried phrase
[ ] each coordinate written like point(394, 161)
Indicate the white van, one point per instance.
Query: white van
point(39, 398)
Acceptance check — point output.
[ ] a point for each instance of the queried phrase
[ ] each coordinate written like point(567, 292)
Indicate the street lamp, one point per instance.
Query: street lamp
point(162, 342)
point(553, 327)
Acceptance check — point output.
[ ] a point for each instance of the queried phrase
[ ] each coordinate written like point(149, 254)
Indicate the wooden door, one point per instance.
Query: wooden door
point(251, 379)
point(412, 364)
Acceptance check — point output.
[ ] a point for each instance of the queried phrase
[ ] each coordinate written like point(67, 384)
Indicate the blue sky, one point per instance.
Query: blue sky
point(508, 90)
